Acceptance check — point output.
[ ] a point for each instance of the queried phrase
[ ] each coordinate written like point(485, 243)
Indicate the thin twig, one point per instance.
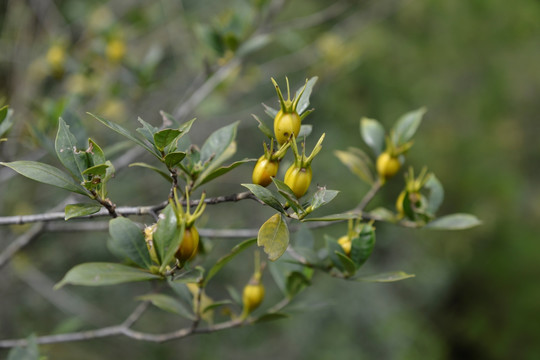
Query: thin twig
point(20, 242)
point(369, 195)
point(124, 210)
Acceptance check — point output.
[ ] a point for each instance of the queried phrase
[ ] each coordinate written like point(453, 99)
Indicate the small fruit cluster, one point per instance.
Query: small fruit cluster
point(189, 243)
point(287, 124)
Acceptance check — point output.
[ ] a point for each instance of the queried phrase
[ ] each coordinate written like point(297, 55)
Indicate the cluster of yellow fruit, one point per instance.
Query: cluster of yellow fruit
point(189, 244)
point(287, 124)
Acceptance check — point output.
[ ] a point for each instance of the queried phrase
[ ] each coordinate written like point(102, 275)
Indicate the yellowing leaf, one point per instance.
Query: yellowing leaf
point(274, 236)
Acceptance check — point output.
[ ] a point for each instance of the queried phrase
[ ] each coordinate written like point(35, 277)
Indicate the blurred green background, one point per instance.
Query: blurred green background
point(474, 65)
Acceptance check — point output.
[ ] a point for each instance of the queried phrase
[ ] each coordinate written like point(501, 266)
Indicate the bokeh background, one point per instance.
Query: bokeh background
point(474, 65)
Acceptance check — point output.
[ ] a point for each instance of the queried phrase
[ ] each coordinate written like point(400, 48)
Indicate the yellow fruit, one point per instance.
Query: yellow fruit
point(346, 244)
point(298, 179)
point(116, 49)
point(286, 124)
point(387, 165)
point(252, 297)
point(188, 247)
point(56, 57)
point(264, 170)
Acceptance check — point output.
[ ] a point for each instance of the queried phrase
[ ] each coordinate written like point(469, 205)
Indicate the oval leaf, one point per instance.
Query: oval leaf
point(101, 273)
point(174, 158)
point(77, 210)
point(120, 130)
point(296, 282)
point(274, 236)
point(167, 303)
point(168, 236)
point(265, 195)
point(373, 134)
point(362, 246)
point(406, 126)
point(356, 164)
point(46, 174)
point(128, 239)
point(218, 142)
point(65, 145)
point(436, 194)
point(165, 137)
point(454, 222)
point(303, 102)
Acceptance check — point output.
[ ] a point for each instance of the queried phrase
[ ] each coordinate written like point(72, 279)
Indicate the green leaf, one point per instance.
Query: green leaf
point(181, 289)
point(234, 294)
point(336, 217)
point(333, 248)
point(356, 163)
point(207, 176)
point(362, 246)
point(271, 317)
point(262, 126)
point(164, 137)
point(96, 154)
point(153, 168)
point(265, 196)
point(174, 158)
point(147, 130)
point(288, 194)
point(99, 170)
point(28, 352)
point(46, 174)
point(77, 210)
point(225, 259)
point(6, 121)
point(385, 277)
point(348, 265)
point(120, 130)
point(168, 303)
point(73, 159)
point(373, 134)
point(303, 103)
point(274, 237)
point(383, 214)
point(322, 196)
point(185, 127)
point(296, 282)
point(436, 194)
point(102, 273)
point(128, 239)
point(168, 236)
point(216, 304)
point(454, 222)
point(305, 130)
point(217, 143)
point(270, 111)
point(406, 126)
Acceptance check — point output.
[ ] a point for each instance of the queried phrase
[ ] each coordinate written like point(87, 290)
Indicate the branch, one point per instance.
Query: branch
point(369, 195)
point(20, 242)
point(124, 210)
